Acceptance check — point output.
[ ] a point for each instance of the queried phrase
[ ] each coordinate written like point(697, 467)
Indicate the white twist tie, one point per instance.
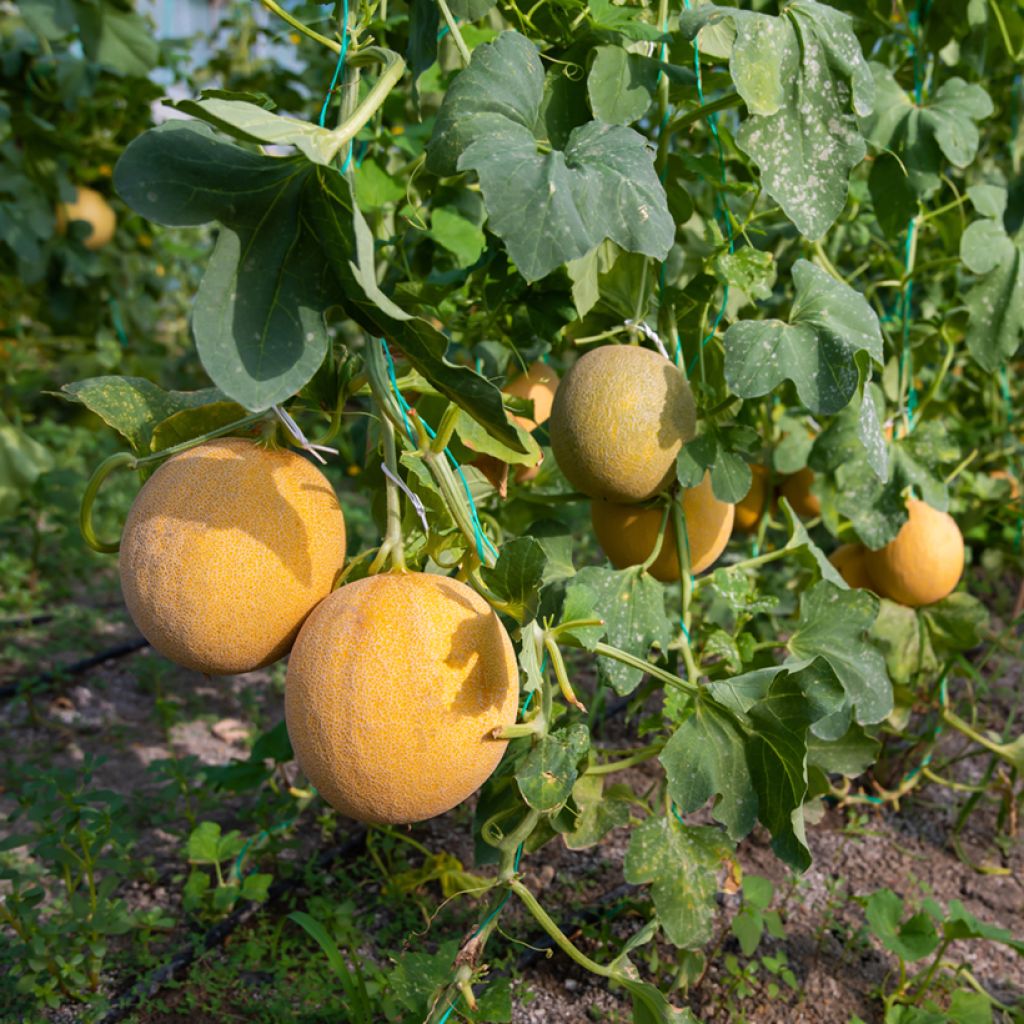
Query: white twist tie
point(649, 333)
point(413, 498)
point(304, 443)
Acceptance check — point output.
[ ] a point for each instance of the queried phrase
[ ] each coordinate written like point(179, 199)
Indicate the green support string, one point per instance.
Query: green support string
point(334, 80)
point(721, 213)
point(481, 538)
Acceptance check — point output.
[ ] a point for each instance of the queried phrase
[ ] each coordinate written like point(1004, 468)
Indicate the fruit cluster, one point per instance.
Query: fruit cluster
point(396, 683)
point(621, 462)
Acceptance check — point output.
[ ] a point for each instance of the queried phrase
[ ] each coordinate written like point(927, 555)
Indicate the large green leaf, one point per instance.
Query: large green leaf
point(292, 244)
point(683, 863)
point(706, 757)
point(804, 80)
point(996, 302)
point(828, 325)
point(632, 605)
point(922, 136)
point(547, 207)
point(833, 625)
point(258, 317)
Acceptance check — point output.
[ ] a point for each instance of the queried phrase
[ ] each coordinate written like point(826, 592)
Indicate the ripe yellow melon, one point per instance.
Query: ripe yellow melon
point(394, 686)
point(627, 533)
point(923, 563)
point(90, 206)
point(1003, 474)
point(538, 385)
point(226, 550)
point(849, 562)
point(796, 489)
point(751, 508)
point(619, 419)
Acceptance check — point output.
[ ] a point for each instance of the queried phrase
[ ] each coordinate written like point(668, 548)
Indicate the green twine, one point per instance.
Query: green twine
point(115, 316)
point(481, 538)
point(334, 79)
point(720, 211)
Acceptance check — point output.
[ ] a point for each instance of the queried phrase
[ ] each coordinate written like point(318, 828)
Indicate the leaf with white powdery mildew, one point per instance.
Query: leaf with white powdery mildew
point(828, 325)
point(804, 81)
point(683, 863)
point(632, 605)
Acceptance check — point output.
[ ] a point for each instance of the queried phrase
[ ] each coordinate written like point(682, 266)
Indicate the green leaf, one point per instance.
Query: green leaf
point(579, 605)
point(518, 574)
point(912, 939)
point(598, 811)
point(470, 10)
point(135, 407)
point(421, 50)
point(258, 317)
point(683, 863)
point(892, 195)
point(803, 78)
point(632, 605)
point(922, 135)
point(706, 757)
point(188, 424)
point(547, 774)
point(349, 244)
point(777, 758)
point(374, 187)
point(960, 923)
point(601, 185)
point(833, 625)
point(622, 19)
point(120, 40)
point(203, 843)
point(251, 122)
point(748, 269)
point(256, 887)
point(996, 303)
point(850, 755)
point(620, 84)
point(829, 323)
point(459, 236)
point(22, 461)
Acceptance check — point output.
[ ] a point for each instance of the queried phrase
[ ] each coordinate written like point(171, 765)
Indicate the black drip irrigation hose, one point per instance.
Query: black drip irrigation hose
point(218, 934)
point(76, 668)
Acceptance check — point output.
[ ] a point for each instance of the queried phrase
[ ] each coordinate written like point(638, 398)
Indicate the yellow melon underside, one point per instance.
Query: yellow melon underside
point(226, 550)
point(627, 533)
point(394, 686)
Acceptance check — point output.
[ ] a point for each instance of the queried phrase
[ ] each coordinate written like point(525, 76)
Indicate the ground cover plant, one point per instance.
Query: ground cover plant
point(563, 465)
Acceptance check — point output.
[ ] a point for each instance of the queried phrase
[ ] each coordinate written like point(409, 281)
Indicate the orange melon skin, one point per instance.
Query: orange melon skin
point(393, 688)
point(924, 562)
point(796, 489)
point(619, 419)
point(537, 385)
point(849, 562)
point(226, 550)
point(627, 533)
point(90, 206)
point(1002, 474)
point(751, 508)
